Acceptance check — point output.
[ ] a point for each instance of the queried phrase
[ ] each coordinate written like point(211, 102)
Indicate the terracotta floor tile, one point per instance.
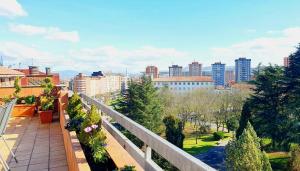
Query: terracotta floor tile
point(38, 167)
point(63, 168)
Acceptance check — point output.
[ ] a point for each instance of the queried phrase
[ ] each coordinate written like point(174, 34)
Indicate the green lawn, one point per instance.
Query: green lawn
point(205, 142)
point(279, 160)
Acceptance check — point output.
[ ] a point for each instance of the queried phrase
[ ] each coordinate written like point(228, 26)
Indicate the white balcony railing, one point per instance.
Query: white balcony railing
point(170, 152)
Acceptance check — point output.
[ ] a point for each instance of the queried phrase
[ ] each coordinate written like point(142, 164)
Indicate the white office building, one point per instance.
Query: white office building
point(184, 83)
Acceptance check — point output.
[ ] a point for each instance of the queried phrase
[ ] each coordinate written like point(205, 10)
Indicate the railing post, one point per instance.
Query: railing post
point(148, 153)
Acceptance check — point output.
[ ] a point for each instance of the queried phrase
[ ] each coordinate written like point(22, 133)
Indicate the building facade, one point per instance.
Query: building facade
point(98, 85)
point(184, 83)
point(229, 77)
point(195, 69)
point(242, 70)
point(175, 71)
point(8, 76)
point(218, 74)
point(34, 77)
point(152, 71)
point(286, 61)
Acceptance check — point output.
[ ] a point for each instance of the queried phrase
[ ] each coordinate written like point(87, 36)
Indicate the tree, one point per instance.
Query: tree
point(142, 104)
point(244, 153)
point(291, 100)
point(174, 130)
point(245, 117)
point(264, 108)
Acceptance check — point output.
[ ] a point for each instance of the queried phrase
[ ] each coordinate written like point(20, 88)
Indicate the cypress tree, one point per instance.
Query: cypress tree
point(244, 153)
point(174, 128)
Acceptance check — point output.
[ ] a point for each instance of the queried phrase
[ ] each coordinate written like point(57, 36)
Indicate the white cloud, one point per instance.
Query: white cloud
point(264, 49)
point(106, 58)
point(111, 58)
point(11, 8)
point(51, 33)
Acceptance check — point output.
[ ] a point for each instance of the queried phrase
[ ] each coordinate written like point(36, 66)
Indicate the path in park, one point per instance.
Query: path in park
point(214, 157)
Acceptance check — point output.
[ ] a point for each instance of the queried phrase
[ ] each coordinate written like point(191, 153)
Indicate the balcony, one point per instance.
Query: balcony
point(51, 147)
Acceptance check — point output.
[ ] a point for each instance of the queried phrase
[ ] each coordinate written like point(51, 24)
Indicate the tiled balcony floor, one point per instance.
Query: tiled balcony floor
point(37, 146)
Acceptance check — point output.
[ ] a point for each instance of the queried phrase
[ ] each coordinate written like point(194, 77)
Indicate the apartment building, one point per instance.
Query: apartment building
point(97, 85)
point(184, 83)
point(195, 69)
point(286, 61)
point(175, 71)
point(8, 76)
point(242, 70)
point(218, 74)
point(34, 77)
point(152, 71)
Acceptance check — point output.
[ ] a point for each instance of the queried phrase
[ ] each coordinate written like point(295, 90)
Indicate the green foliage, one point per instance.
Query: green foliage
point(30, 99)
point(274, 107)
point(17, 87)
point(90, 134)
point(128, 168)
point(174, 130)
point(295, 159)
point(48, 86)
point(232, 123)
point(142, 104)
point(7, 99)
point(75, 111)
point(46, 103)
point(26, 100)
point(218, 135)
point(92, 118)
point(97, 145)
point(244, 153)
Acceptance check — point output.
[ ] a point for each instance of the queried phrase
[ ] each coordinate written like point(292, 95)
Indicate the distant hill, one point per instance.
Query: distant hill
point(67, 74)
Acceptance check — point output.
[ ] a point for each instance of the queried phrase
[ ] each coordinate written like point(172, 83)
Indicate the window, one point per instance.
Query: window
point(171, 83)
point(175, 83)
point(192, 83)
point(183, 83)
point(179, 83)
point(189, 83)
point(201, 83)
point(197, 83)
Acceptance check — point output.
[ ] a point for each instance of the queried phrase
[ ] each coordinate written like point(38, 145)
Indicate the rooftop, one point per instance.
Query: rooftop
point(7, 72)
point(37, 146)
point(192, 78)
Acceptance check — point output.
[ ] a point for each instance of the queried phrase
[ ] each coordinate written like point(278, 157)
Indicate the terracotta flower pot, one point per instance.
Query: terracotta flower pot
point(23, 110)
point(46, 116)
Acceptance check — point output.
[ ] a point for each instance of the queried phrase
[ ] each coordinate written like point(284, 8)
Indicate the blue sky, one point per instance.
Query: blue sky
point(118, 34)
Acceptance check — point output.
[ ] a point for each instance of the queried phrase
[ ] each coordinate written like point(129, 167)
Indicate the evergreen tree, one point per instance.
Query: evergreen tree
point(264, 109)
point(245, 116)
point(174, 128)
point(244, 153)
point(141, 103)
point(291, 99)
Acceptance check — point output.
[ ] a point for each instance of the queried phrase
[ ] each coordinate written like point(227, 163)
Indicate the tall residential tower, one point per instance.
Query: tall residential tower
point(218, 73)
point(242, 70)
point(175, 71)
point(195, 69)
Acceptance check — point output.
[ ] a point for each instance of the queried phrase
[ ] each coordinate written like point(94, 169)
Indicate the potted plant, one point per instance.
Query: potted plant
point(46, 101)
point(25, 107)
point(45, 111)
